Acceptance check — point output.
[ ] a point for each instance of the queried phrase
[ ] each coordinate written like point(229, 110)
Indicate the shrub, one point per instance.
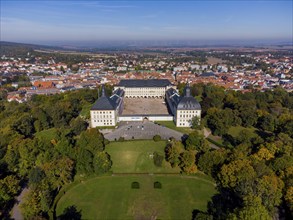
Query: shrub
point(158, 159)
point(157, 138)
point(157, 185)
point(121, 139)
point(135, 185)
point(106, 141)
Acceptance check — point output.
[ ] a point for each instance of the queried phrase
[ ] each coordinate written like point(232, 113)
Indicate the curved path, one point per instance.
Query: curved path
point(16, 213)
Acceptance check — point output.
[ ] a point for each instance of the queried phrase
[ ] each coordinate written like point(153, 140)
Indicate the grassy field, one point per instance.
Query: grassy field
point(48, 134)
point(171, 125)
point(217, 139)
point(111, 197)
point(134, 157)
point(235, 130)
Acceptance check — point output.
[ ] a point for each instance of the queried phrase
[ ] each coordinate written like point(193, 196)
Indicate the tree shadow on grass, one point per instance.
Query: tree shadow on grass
point(70, 213)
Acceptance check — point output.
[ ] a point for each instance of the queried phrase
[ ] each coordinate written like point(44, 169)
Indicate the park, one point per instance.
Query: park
point(112, 196)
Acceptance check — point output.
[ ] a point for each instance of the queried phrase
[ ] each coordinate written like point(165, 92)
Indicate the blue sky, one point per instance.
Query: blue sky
point(89, 21)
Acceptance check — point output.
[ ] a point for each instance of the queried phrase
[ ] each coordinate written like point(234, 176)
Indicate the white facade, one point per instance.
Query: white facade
point(101, 118)
point(150, 118)
point(183, 118)
point(108, 111)
point(145, 92)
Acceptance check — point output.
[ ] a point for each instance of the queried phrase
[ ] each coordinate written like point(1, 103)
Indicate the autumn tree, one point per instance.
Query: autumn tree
point(187, 162)
point(173, 151)
point(102, 162)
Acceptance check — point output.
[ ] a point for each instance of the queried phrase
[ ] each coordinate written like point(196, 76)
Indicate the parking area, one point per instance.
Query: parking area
point(144, 106)
point(142, 130)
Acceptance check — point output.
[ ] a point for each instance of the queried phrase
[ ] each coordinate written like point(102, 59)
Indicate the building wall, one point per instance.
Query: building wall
point(103, 118)
point(151, 118)
point(183, 117)
point(146, 92)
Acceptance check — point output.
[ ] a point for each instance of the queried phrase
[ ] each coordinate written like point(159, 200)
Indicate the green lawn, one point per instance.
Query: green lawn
point(171, 125)
point(217, 139)
point(48, 134)
point(134, 157)
point(111, 197)
point(235, 130)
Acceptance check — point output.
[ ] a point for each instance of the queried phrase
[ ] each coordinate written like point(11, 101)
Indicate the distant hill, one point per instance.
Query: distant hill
point(21, 49)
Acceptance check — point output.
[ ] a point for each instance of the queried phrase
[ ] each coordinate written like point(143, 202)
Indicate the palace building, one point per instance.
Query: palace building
point(151, 88)
point(137, 100)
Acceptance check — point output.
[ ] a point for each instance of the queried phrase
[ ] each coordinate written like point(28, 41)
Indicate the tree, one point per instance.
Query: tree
point(70, 213)
point(31, 207)
point(102, 162)
point(211, 161)
point(9, 187)
point(236, 171)
point(252, 210)
point(11, 158)
point(249, 117)
point(269, 189)
point(263, 154)
point(187, 162)
point(84, 161)
point(289, 198)
point(157, 138)
point(35, 176)
point(196, 123)
point(172, 151)
point(65, 147)
point(59, 172)
point(42, 120)
point(28, 151)
point(217, 121)
point(196, 141)
point(24, 125)
point(267, 122)
point(158, 159)
point(91, 140)
point(78, 125)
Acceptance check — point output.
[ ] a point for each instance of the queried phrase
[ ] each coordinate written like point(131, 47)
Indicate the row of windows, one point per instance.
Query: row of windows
point(107, 124)
point(103, 121)
point(102, 116)
point(146, 92)
point(188, 111)
point(186, 116)
point(131, 89)
point(183, 120)
point(103, 113)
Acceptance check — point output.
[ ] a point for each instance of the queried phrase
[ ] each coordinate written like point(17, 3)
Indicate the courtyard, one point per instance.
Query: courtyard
point(144, 106)
point(142, 130)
